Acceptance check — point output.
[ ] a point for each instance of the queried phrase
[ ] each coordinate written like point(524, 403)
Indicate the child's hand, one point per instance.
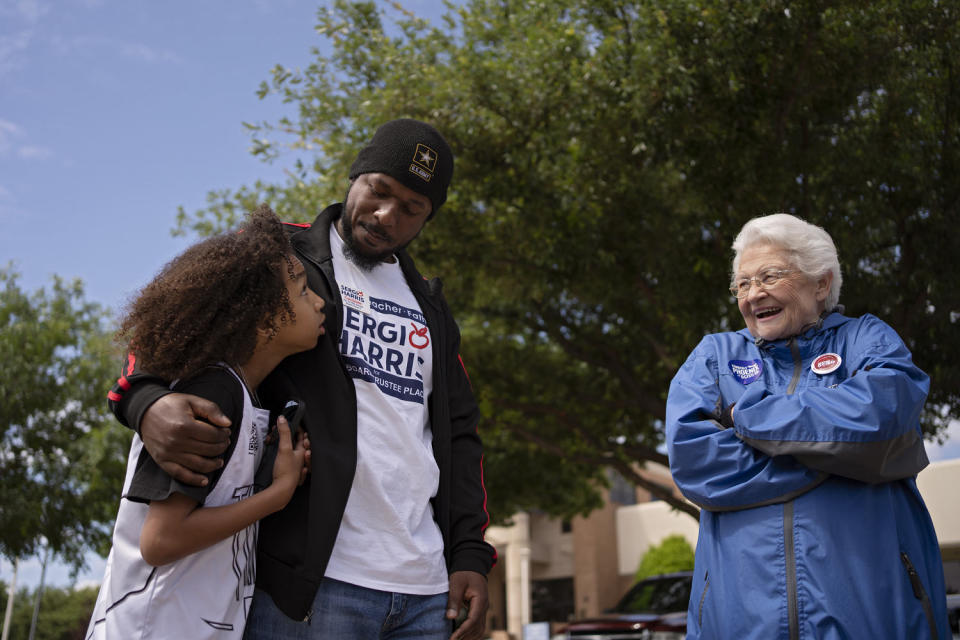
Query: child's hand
point(289, 465)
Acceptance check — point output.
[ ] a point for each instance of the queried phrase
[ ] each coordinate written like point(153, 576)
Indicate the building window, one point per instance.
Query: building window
point(951, 573)
point(621, 491)
point(551, 600)
point(566, 526)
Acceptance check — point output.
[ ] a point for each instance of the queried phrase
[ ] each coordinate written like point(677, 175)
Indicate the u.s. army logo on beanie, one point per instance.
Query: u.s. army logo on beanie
point(424, 162)
point(412, 152)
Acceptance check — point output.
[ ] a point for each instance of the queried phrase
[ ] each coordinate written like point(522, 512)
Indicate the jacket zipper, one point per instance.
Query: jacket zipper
point(797, 365)
point(337, 304)
point(703, 597)
point(790, 562)
point(789, 548)
point(919, 593)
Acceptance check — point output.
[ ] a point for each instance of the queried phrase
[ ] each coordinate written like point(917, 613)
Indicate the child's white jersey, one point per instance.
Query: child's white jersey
point(204, 595)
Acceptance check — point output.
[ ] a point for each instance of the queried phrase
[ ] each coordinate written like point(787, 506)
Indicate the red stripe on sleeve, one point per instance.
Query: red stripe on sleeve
point(486, 513)
point(122, 381)
point(483, 486)
point(464, 367)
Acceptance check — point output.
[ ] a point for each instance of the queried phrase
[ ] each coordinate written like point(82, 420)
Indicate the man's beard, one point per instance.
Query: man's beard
point(364, 261)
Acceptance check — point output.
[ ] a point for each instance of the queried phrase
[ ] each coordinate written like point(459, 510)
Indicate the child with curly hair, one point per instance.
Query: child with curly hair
point(217, 319)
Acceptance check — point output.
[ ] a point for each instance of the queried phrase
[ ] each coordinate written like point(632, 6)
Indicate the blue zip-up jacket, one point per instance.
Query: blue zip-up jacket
point(811, 524)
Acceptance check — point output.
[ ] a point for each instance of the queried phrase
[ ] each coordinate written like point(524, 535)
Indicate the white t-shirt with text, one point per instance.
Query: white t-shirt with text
point(388, 539)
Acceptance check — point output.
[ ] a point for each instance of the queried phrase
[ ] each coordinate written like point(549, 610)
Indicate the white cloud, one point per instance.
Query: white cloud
point(74, 45)
point(146, 53)
point(31, 152)
point(83, 584)
point(8, 131)
point(22, 20)
point(7, 127)
point(29, 11)
point(950, 448)
point(19, 17)
point(10, 46)
point(58, 574)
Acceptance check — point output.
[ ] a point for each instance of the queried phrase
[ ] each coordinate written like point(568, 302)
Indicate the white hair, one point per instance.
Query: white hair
point(810, 248)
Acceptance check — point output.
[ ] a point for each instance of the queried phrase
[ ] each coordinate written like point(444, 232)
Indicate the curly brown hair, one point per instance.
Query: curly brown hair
point(205, 305)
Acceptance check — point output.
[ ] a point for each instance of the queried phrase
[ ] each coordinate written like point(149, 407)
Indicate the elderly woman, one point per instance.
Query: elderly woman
point(799, 439)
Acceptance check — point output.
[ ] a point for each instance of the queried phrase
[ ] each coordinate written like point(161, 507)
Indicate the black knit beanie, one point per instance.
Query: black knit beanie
point(412, 152)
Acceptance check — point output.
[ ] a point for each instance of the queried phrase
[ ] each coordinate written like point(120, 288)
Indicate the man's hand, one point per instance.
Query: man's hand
point(180, 442)
point(468, 588)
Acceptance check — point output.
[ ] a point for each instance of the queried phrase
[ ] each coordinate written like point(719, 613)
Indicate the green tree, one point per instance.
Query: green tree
point(607, 153)
point(673, 554)
point(64, 613)
point(62, 456)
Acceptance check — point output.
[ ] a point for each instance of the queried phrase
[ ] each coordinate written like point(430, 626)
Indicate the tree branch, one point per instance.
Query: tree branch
point(608, 459)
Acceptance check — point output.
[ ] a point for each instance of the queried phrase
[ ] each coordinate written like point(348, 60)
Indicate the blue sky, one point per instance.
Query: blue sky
point(115, 112)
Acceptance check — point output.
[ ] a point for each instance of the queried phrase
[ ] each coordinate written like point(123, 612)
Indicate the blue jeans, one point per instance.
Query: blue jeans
point(343, 611)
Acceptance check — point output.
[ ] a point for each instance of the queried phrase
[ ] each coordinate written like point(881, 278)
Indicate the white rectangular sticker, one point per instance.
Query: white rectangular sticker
point(355, 299)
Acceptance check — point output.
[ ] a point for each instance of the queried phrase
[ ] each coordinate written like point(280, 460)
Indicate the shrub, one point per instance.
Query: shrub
point(673, 553)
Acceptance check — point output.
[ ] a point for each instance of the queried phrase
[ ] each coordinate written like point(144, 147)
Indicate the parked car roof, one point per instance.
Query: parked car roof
point(658, 603)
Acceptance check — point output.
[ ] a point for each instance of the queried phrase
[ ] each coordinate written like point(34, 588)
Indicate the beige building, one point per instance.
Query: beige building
point(549, 570)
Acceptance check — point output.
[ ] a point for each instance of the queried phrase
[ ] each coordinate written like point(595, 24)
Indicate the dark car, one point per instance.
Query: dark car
point(653, 609)
point(953, 612)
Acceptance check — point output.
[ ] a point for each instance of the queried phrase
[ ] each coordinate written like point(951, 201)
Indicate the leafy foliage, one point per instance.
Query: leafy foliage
point(62, 458)
point(673, 554)
point(64, 613)
point(607, 154)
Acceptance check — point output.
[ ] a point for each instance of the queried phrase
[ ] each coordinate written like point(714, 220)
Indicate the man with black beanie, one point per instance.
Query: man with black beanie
point(385, 539)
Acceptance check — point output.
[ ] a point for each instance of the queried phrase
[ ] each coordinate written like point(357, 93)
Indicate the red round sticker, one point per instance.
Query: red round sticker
point(827, 363)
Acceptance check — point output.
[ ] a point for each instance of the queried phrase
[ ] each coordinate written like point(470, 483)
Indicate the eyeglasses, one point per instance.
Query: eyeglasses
point(741, 288)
